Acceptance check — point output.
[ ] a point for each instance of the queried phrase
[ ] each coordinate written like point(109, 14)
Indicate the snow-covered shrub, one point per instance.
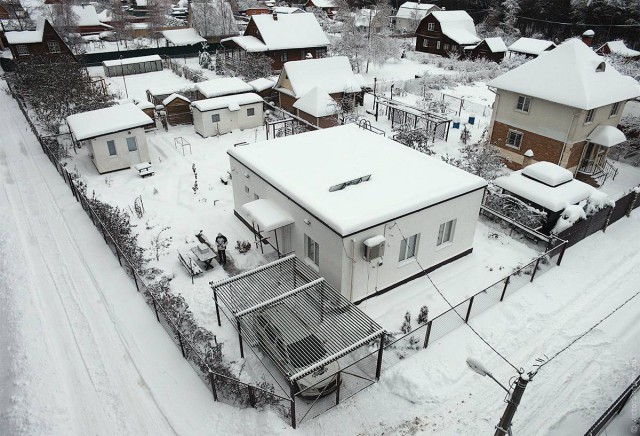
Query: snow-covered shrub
point(406, 325)
point(418, 139)
point(570, 215)
point(514, 208)
point(254, 66)
point(597, 201)
point(423, 316)
point(482, 159)
point(204, 58)
point(243, 246)
point(220, 67)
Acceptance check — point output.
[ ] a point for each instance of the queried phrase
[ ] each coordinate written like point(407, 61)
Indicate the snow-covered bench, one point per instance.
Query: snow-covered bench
point(189, 264)
point(145, 169)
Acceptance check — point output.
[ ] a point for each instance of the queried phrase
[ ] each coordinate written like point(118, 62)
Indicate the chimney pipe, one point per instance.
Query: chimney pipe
point(275, 16)
point(587, 37)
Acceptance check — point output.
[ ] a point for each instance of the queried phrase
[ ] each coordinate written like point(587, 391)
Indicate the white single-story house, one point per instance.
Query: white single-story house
point(364, 211)
point(223, 86)
point(114, 136)
point(215, 116)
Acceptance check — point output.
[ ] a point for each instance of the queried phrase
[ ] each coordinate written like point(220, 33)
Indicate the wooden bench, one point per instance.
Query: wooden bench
point(190, 265)
point(145, 169)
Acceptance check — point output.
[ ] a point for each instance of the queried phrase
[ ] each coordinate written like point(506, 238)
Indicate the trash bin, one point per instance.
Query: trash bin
point(472, 120)
point(455, 123)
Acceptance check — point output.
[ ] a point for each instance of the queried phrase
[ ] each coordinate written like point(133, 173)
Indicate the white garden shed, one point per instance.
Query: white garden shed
point(215, 116)
point(114, 136)
point(364, 211)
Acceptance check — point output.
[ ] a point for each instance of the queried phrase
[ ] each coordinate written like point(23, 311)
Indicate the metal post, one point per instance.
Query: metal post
point(338, 383)
point(535, 268)
point(293, 405)
point(252, 397)
point(504, 290)
point(155, 307)
point(606, 222)
point(215, 298)
point(212, 380)
point(240, 339)
point(117, 253)
point(380, 349)
point(504, 426)
point(426, 336)
point(181, 346)
point(564, 247)
point(466, 318)
point(135, 280)
point(321, 302)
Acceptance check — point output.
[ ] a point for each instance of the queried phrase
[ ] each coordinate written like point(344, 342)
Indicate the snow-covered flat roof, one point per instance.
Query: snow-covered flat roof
point(332, 74)
point(290, 31)
point(548, 173)
point(27, 36)
point(317, 103)
point(553, 198)
point(88, 125)
point(571, 75)
point(223, 86)
point(496, 44)
point(402, 181)
point(268, 215)
point(135, 60)
point(607, 136)
point(262, 84)
point(457, 25)
point(144, 104)
point(531, 46)
point(180, 37)
point(414, 11)
point(230, 102)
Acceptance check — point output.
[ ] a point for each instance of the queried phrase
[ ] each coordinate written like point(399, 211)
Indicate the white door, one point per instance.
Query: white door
point(134, 154)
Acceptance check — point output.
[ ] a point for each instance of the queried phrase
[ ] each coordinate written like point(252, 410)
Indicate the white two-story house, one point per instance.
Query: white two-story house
point(562, 107)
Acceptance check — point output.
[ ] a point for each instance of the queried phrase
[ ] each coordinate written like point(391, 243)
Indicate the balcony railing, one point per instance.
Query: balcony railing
point(599, 169)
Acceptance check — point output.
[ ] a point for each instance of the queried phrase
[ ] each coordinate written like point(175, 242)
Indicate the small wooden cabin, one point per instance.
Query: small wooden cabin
point(178, 109)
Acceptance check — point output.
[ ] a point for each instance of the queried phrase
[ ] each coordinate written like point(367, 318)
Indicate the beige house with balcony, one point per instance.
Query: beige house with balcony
point(562, 107)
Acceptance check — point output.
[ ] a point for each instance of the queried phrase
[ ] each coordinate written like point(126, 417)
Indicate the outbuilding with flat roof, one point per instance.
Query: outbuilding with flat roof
point(215, 116)
point(364, 211)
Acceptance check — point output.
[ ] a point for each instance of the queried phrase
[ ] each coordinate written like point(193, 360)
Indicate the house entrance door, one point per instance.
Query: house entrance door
point(134, 153)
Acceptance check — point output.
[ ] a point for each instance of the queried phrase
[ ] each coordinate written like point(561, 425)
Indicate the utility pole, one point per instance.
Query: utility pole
point(504, 427)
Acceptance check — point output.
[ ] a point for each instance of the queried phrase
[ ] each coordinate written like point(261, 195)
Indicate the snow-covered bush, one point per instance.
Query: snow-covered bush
point(254, 66)
point(418, 139)
point(596, 202)
point(570, 215)
point(406, 325)
point(423, 316)
point(204, 58)
point(514, 208)
point(482, 159)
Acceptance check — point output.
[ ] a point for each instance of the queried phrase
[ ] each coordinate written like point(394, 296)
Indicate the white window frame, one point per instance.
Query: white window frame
point(22, 50)
point(431, 27)
point(519, 142)
point(109, 149)
point(446, 232)
point(588, 118)
point(55, 45)
point(213, 120)
point(409, 248)
point(437, 45)
point(615, 108)
point(526, 104)
point(253, 112)
point(425, 43)
point(284, 56)
point(312, 250)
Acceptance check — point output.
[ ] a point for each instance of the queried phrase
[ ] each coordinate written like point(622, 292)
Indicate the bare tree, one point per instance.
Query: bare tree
point(213, 18)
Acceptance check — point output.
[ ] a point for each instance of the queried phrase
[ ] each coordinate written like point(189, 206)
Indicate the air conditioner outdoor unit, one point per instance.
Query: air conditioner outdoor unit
point(374, 248)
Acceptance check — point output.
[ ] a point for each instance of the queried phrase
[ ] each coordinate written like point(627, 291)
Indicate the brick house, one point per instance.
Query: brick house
point(561, 108)
point(282, 37)
point(330, 82)
point(42, 41)
point(442, 32)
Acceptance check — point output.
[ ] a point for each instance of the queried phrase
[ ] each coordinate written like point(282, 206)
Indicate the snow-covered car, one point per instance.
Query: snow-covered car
point(291, 344)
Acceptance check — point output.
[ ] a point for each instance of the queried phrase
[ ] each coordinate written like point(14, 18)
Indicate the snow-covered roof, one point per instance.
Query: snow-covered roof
point(321, 3)
point(317, 103)
point(548, 173)
point(531, 46)
point(27, 36)
point(262, 84)
point(290, 31)
point(607, 136)
point(135, 60)
point(496, 45)
point(87, 15)
point(106, 16)
point(569, 75)
point(287, 10)
point(223, 86)
point(172, 97)
point(144, 104)
point(457, 25)
point(87, 125)
point(267, 214)
point(181, 37)
point(230, 102)
point(619, 48)
point(553, 198)
point(345, 153)
point(248, 43)
point(332, 74)
point(414, 11)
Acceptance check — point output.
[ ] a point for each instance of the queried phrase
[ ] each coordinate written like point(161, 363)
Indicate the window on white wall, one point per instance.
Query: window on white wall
point(514, 139)
point(438, 45)
point(445, 234)
point(111, 145)
point(409, 247)
point(614, 109)
point(215, 118)
point(251, 112)
point(312, 250)
point(132, 144)
point(524, 103)
point(589, 118)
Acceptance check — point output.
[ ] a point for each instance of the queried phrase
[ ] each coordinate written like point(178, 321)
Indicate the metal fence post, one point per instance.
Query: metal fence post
point(155, 307)
point(535, 268)
point(212, 380)
point(504, 290)
point(380, 350)
point(606, 222)
point(466, 318)
point(564, 247)
point(252, 397)
point(180, 341)
point(215, 298)
point(338, 382)
point(135, 279)
point(240, 340)
point(293, 406)
point(426, 336)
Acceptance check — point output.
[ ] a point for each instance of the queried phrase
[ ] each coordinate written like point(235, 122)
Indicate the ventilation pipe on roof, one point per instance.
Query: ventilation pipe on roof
point(587, 37)
point(275, 16)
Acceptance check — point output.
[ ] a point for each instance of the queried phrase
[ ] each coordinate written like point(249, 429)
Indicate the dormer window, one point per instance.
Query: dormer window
point(601, 67)
point(524, 103)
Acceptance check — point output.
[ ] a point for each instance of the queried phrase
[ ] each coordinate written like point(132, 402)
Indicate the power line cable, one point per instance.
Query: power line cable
point(519, 370)
point(584, 334)
point(577, 24)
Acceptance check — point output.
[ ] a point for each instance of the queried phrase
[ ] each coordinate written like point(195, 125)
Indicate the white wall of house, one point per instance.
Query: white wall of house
point(229, 120)
point(335, 252)
point(123, 158)
point(406, 25)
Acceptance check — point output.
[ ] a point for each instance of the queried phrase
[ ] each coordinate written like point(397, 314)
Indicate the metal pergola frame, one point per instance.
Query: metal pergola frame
point(301, 298)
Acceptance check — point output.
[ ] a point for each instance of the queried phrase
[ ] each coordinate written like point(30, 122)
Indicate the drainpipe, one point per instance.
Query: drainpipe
point(353, 261)
point(564, 146)
point(493, 114)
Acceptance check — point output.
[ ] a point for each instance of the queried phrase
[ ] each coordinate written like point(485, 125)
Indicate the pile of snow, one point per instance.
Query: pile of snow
point(548, 173)
point(570, 216)
point(597, 201)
